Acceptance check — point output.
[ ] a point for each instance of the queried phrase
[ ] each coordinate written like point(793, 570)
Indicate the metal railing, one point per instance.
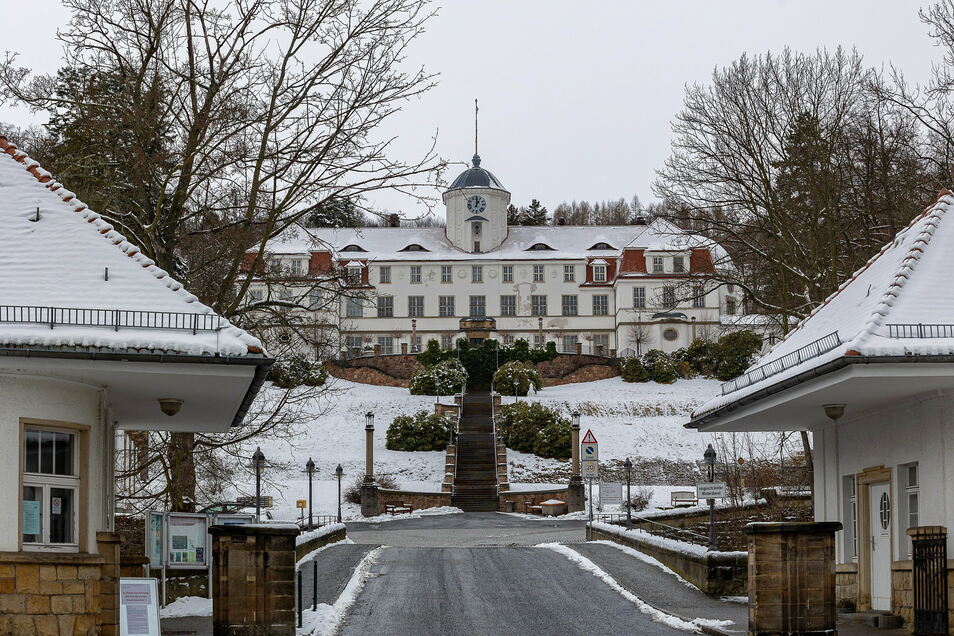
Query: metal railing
point(920, 330)
point(112, 318)
point(320, 521)
point(655, 528)
point(811, 350)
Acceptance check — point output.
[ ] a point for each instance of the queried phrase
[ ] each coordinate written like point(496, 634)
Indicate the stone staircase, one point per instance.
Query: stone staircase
point(475, 480)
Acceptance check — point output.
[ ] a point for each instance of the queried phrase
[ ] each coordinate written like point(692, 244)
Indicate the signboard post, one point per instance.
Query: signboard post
point(610, 494)
point(590, 467)
point(710, 490)
point(138, 607)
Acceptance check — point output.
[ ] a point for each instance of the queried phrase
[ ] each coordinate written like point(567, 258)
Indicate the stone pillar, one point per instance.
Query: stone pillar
point(579, 348)
point(107, 543)
point(791, 578)
point(576, 499)
point(404, 348)
point(369, 489)
point(253, 580)
point(370, 499)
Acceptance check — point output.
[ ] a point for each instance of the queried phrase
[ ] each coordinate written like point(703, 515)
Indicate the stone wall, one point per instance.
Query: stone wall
point(363, 375)
point(50, 593)
point(715, 573)
point(534, 497)
point(304, 548)
point(588, 373)
point(566, 363)
point(902, 593)
point(416, 500)
point(846, 585)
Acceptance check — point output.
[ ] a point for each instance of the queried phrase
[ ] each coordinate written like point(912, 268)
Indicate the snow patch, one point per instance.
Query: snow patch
point(187, 606)
point(326, 619)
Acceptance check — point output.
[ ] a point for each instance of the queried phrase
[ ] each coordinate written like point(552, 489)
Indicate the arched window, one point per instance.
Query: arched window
point(413, 247)
point(539, 247)
point(602, 246)
point(353, 248)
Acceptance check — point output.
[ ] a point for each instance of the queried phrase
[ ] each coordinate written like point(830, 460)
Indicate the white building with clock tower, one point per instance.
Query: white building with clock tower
point(596, 289)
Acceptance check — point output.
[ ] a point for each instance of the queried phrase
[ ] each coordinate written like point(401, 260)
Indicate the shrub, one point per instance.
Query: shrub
point(633, 370)
point(295, 371)
point(483, 360)
point(640, 499)
point(700, 355)
point(352, 494)
point(445, 378)
point(735, 353)
point(422, 431)
point(517, 378)
point(530, 427)
point(663, 370)
point(683, 369)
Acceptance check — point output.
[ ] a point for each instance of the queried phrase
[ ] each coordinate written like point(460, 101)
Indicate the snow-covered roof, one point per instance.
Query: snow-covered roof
point(567, 241)
point(70, 258)
point(877, 312)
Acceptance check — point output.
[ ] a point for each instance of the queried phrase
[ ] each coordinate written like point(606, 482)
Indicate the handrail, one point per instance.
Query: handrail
point(920, 330)
point(112, 318)
point(640, 520)
point(812, 349)
point(670, 528)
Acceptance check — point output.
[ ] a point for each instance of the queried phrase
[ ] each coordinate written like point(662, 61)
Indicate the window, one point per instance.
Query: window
point(354, 308)
point(446, 274)
point(415, 306)
point(315, 298)
point(537, 341)
point(639, 296)
point(414, 247)
point(601, 305)
point(508, 273)
point(670, 334)
point(352, 342)
point(476, 273)
point(384, 274)
point(601, 340)
point(538, 305)
point(669, 296)
point(568, 343)
point(602, 246)
point(599, 273)
point(387, 345)
point(49, 512)
point(445, 305)
point(538, 273)
point(730, 306)
point(657, 264)
point(678, 264)
point(478, 306)
point(385, 306)
point(477, 246)
point(415, 273)
point(730, 288)
point(447, 341)
point(540, 247)
point(508, 338)
point(508, 305)
point(353, 248)
point(910, 504)
point(698, 296)
point(416, 344)
point(296, 268)
point(286, 296)
point(354, 275)
point(850, 515)
point(569, 273)
point(569, 305)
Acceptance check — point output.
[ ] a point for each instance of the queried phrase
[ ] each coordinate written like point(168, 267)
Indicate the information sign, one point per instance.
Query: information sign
point(611, 494)
point(713, 490)
point(187, 541)
point(154, 535)
point(301, 503)
point(138, 607)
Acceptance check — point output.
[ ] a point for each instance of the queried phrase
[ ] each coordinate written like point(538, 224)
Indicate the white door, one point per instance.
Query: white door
point(879, 524)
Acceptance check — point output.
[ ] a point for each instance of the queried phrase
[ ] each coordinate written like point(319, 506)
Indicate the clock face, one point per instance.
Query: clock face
point(476, 204)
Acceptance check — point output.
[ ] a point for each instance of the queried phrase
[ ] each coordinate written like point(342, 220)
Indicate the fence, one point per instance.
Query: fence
point(112, 318)
point(811, 350)
point(920, 330)
point(655, 528)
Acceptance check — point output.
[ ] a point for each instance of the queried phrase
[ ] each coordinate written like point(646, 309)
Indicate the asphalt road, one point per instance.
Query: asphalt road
point(472, 529)
point(489, 591)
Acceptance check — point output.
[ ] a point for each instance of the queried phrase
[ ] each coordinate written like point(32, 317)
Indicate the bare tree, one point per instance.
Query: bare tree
point(639, 337)
point(220, 126)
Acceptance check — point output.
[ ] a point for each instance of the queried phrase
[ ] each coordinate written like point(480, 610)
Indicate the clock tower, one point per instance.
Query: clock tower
point(476, 205)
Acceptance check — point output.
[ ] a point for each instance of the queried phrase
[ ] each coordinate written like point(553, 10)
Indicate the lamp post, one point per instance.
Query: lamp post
point(258, 463)
point(339, 473)
point(369, 447)
point(310, 469)
point(710, 460)
point(628, 465)
point(516, 395)
point(575, 445)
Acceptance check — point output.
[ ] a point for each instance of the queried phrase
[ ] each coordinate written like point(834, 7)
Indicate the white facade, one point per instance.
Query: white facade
point(607, 288)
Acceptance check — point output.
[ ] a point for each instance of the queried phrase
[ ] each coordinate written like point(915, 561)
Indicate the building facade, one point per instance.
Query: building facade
point(624, 289)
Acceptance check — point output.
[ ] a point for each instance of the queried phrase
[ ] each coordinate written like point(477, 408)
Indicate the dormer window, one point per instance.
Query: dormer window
point(678, 264)
point(413, 247)
point(602, 246)
point(354, 272)
point(658, 264)
point(540, 247)
point(599, 273)
point(353, 248)
point(296, 267)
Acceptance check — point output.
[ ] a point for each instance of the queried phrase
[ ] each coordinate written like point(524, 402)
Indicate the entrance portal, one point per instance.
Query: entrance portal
point(879, 522)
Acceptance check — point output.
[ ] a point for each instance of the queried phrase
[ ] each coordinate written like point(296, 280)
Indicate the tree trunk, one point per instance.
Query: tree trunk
point(809, 464)
point(181, 472)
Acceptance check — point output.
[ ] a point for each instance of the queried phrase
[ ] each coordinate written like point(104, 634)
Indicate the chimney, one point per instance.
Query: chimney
point(394, 220)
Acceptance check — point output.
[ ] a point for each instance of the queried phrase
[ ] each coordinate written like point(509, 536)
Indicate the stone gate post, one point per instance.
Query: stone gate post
point(791, 578)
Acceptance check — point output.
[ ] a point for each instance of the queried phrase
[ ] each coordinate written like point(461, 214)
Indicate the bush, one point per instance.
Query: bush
point(444, 378)
point(640, 499)
point(517, 376)
point(530, 427)
point(701, 356)
point(735, 353)
point(295, 371)
point(482, 361)
point(422, 431)
point(663, 370)
point(352, 494)
point(633, 370)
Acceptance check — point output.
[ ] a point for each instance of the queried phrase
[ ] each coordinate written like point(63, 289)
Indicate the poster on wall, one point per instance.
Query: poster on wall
point(138, 607)
point(31, 517)
point(187, 541)
point(154, 538)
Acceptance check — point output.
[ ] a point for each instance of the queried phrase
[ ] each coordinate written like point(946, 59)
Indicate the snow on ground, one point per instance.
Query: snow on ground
point(187, 606)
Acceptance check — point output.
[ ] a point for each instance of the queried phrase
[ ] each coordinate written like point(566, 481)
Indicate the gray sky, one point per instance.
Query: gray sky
point(575, 97)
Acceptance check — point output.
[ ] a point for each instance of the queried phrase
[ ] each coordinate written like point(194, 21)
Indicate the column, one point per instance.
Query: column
point(575, 495)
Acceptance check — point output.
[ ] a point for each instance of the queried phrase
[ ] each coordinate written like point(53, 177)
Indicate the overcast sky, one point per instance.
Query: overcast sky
point(575, 97)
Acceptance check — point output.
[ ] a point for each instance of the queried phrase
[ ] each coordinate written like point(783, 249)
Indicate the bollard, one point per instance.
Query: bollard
point(314, 585)
point(299, 599)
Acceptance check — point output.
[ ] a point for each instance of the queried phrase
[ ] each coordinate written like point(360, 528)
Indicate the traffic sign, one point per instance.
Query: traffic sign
point(301, 503)
point(589, 438)
point(713, 490)
point(589, 448)
point(590, 468)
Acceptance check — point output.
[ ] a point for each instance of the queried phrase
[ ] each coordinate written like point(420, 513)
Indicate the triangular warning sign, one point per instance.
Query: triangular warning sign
point(589, 438)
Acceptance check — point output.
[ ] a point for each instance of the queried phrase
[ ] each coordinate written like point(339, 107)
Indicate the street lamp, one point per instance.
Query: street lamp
point(310, 469)
point(338, 473)
point(710, 460)
point(628, 465)
point(258, 463)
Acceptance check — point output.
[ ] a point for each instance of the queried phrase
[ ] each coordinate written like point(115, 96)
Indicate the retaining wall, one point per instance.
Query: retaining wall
point(535, 497)
point(416, 500)
point(310, 540)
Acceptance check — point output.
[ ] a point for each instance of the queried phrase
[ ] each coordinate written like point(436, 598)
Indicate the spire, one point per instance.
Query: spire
point(476, 159)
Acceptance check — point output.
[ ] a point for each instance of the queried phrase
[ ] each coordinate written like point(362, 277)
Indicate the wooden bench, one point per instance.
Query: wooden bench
point(397, 508)
point(683, 498)
point(530, 509)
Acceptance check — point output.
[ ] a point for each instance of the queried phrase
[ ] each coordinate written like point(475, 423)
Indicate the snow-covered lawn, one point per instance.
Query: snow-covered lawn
point(642, 421)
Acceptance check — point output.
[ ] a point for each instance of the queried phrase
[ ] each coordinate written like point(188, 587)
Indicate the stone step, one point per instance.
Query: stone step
point(874, 619)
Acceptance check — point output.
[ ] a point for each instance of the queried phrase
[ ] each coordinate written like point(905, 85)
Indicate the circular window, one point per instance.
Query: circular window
point(885, 508)
point(670, 334)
